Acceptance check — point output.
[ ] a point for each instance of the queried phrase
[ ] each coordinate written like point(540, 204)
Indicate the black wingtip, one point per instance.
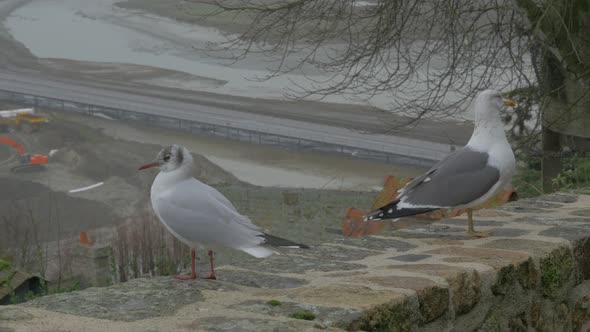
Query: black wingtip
point(394, 213)
point(276, 241)
point(390, 211)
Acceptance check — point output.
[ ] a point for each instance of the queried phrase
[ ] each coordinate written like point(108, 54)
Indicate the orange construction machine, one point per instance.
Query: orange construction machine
point(28, 162)
point(23, 119)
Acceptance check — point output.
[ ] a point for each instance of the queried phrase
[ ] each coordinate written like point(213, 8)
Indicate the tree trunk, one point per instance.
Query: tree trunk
point(560, 28)
point(551, 162)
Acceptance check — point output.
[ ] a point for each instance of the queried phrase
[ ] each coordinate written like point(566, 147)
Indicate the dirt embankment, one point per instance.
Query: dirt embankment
point(36, 202)
point(32, 213)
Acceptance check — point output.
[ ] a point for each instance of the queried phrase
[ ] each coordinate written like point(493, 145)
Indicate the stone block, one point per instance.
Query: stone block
point(506, 278)
point(433, 298)
point(581, 213)
point(466, 291)
point(518, 324)
point(581, 249)
point(537, 320)
point(355, 296)
point(527, 274)
point(395, 316)
point(556, 271)
point(410, 257)
point(581, 313)
point(578, 300)
point(434, 302)
point(130, 301)
point(325, 315)
point(533, 247)
point(565, 232)
point(464, 284)
point(493, 257)
point(560, 318)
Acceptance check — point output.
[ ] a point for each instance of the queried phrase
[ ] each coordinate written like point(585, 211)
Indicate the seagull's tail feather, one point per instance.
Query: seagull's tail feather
point(271, 245)
point(259, 251)
point(276, 241)
point(390, 211)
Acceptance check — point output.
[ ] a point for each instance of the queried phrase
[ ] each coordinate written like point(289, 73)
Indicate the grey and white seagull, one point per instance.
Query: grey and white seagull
point(199, 215)
point(466, 178)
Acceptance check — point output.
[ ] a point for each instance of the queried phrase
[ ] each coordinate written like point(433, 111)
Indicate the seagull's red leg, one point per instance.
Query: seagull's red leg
point(193, 271)
point(212, 275)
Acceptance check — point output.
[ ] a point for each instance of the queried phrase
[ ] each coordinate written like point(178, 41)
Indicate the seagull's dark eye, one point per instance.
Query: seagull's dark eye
point(166, 157)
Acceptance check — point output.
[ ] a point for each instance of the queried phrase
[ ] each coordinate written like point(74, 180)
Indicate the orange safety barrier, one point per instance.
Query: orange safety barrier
point(84, 239)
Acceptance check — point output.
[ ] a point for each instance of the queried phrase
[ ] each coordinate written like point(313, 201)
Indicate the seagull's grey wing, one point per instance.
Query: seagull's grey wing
point(418, 180)
point(197, 215)
point(459, 179)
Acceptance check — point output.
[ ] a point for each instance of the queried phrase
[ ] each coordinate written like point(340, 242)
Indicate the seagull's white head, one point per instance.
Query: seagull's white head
point(171, 158)
point(488, 105)
point(488, 124)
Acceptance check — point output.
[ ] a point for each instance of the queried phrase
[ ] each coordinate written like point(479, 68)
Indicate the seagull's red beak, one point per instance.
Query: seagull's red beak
point(150, 165)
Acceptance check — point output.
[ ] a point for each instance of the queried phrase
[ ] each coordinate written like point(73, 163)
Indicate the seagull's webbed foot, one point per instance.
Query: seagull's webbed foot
point(477, 234)
point(187, 277)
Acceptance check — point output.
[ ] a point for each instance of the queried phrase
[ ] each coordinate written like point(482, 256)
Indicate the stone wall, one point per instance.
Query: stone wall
point(531, 274)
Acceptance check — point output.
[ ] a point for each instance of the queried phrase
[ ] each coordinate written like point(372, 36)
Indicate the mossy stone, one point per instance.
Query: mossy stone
point(527, 274)
point(394, 317)
point(505, 280)
point(556, 269)
point(434, 302)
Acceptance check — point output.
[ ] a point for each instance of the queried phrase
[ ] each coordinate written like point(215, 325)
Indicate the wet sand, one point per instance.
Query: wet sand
point(153, 36)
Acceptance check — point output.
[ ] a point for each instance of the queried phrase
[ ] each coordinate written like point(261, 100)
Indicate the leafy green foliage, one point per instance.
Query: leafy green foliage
point(304, 314)
point(4, 265)
point(274, 303)
point(74, 287)
point(575, 174)
point(528, 181)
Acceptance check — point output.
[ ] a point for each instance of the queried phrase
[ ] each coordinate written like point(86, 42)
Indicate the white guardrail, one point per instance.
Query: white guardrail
point(401, 149)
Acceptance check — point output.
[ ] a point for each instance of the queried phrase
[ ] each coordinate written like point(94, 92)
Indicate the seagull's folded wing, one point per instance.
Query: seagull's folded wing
point(200, 214)
point(459, 179)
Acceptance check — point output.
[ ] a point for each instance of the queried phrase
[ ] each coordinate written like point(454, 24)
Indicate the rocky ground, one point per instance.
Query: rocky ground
point(531, 274)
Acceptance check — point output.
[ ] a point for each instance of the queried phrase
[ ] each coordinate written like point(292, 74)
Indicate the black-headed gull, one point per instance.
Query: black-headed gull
point(198, 214)
point(466, 178)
